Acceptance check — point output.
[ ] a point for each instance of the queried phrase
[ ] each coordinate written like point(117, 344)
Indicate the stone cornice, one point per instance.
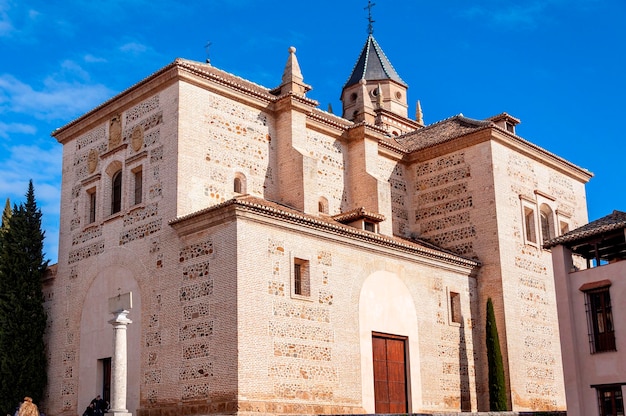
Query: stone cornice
point(180, 69)
point(512, 141)
point(539, 153)
point(161, 79)
point(327, 122)
point(228, 210)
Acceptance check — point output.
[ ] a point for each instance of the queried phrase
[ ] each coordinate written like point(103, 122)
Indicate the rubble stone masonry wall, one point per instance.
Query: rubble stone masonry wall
point(306, 351)
point(217, 325)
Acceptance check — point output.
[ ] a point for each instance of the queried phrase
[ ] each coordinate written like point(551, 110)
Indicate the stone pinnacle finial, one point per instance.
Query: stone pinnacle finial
point(419, 116)
point(292, 68)
point(292, 80)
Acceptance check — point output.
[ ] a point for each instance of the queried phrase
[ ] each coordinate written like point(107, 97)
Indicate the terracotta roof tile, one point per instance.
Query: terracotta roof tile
point(614, 221)
point(328, 223)
point(358, 213)
point(442, 131)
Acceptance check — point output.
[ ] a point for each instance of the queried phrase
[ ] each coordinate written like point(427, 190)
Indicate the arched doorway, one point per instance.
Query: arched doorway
point(389, 345)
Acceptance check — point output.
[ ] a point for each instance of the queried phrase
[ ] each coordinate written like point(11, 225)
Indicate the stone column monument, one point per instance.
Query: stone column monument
point(119, 306)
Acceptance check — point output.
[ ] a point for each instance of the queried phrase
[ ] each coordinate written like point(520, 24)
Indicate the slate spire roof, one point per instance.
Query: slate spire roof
point(373, 65)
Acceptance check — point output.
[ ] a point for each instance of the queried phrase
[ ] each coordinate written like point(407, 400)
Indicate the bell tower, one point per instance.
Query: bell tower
point(374, 92)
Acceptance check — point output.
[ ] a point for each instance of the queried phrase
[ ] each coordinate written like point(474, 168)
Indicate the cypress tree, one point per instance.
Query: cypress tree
point(6, 216)
point(22, 315)
point(497, 386)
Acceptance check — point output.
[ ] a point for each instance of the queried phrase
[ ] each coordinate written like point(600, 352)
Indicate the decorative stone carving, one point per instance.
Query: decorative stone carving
point(115, 132)
point(92, 161)
point(136, 139)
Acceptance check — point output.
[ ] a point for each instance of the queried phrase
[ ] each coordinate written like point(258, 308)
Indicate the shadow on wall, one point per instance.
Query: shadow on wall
point(465, 394)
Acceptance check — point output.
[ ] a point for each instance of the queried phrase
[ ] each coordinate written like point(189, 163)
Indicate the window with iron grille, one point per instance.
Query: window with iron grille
point(610, 400)
point(600, 320)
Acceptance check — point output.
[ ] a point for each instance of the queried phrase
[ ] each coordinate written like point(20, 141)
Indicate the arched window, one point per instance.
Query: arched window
point(116, 192)
point(239, 183)
point(322, 205)
point(547, 222)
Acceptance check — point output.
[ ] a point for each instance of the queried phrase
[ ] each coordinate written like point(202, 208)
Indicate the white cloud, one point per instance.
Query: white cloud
point(134, 48)
point(6, 25)
point(33, 14)
point(19, 22)
point(73, 70)
point(40, 163)
point(6, 129)
point(89, 58)
point(57, 99)
point(43, 166)
point(526, 15)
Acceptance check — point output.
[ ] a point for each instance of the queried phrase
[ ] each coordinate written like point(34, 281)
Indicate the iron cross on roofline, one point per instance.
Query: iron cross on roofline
point(370, 24)
point(206, 48)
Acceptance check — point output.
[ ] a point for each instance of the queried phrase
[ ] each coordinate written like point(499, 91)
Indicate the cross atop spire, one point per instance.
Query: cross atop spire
point(370, 21)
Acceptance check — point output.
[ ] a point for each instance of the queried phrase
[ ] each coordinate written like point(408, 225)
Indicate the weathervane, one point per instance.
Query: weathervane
point(206, 48)
point(370, 25)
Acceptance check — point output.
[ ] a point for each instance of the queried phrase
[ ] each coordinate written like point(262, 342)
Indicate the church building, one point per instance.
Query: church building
point(286, 260)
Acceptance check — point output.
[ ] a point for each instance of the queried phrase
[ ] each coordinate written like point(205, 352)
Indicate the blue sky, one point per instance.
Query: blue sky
point(558, 65)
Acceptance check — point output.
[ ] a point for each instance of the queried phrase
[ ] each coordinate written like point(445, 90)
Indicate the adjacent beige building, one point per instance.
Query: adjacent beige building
point(285, 260)
point(589, 273)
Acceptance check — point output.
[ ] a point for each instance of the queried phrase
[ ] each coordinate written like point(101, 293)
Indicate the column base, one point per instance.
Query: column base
point(115, 412)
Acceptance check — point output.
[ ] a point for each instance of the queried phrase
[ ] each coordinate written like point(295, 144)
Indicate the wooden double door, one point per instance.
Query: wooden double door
point(390, 385)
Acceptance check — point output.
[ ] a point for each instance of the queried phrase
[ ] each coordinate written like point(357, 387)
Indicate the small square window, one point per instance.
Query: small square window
point(369, 226)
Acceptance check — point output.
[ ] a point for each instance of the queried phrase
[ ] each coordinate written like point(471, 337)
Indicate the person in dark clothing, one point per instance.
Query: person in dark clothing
point(89, 411)
point(99, 406)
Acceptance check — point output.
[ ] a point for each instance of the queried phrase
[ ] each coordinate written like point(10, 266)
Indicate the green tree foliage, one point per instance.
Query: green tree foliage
point(6, 216)
point(497, 386)
point(22, 315)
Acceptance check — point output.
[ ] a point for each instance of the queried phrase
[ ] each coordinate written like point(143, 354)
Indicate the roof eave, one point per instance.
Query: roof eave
point(196, 221)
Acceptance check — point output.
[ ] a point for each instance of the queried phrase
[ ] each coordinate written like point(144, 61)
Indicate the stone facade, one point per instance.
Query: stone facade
point(266, 242)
